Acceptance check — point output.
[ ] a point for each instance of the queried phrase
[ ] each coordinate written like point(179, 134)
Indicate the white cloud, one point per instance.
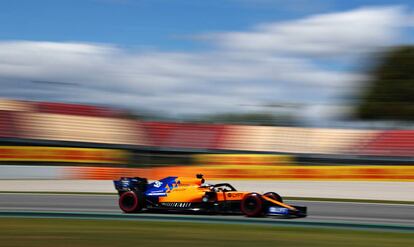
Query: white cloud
point(274, 62)
point(320, 35)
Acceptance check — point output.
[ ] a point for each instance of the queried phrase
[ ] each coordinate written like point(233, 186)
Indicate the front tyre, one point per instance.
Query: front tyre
point(130, 202)
point(252, 205)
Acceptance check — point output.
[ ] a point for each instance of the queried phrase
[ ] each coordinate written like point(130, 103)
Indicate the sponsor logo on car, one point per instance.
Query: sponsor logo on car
point(125, 183)
point(156, 194)
point(157, 184)
point(235, 195)
point(176, 204)
point(278, 210)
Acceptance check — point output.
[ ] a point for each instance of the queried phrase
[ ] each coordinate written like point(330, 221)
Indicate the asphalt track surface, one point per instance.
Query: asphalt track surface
point(352, 213)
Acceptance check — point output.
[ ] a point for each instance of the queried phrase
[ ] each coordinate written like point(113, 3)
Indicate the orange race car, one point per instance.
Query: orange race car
point(176, 194)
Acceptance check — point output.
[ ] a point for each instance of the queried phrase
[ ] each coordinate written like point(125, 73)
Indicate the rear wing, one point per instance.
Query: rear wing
point(133, 184)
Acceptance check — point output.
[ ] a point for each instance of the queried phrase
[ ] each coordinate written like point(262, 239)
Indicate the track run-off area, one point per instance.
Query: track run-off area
point(355, 215)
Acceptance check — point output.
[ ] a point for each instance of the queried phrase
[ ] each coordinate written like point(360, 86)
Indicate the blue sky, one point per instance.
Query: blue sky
point(196, 56)
point(163, 24)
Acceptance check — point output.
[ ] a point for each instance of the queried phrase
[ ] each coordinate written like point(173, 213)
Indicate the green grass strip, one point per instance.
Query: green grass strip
point(15, 232)
point(207, 219)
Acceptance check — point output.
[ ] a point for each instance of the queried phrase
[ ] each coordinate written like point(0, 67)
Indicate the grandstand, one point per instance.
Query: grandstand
point(73, 123)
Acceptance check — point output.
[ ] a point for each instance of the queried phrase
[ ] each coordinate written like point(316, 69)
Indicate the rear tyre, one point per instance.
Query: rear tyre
point(130, 202)
point(274, 196)
point(252, 205)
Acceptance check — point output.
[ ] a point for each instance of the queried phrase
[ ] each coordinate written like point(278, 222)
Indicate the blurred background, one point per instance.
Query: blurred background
point(129, 84)
point(254, 91)
point(80, 141)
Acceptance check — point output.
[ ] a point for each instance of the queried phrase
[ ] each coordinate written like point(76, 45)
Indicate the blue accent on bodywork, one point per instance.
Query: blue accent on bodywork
point(160, 187)
point(125, 184)
point(278, 211)
point(154, 189)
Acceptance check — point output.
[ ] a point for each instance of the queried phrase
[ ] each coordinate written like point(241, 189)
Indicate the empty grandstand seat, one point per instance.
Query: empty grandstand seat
point(294, 139)
point(391, 143)
point(254, 138)
point(63, 127)
point(8, 124)
point(185, 135)
point(15, 105)
point(76, 109)
point(338, 141)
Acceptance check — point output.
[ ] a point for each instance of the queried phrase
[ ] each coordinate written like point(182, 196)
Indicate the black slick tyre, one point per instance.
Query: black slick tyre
point(252, 205)
point(130, 202)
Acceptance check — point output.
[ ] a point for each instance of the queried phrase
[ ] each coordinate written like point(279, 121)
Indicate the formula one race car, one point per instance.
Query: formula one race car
point(181, 195)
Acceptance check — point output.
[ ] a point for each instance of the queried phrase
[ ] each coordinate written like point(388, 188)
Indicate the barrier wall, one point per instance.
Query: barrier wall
point(242, 159)
point(336, 173)
point(62, 154)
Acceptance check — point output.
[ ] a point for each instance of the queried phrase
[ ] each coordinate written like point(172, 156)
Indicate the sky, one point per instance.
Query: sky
point(186, 57)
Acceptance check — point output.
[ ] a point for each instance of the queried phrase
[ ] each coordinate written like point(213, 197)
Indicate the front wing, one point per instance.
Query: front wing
point(299, 211)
